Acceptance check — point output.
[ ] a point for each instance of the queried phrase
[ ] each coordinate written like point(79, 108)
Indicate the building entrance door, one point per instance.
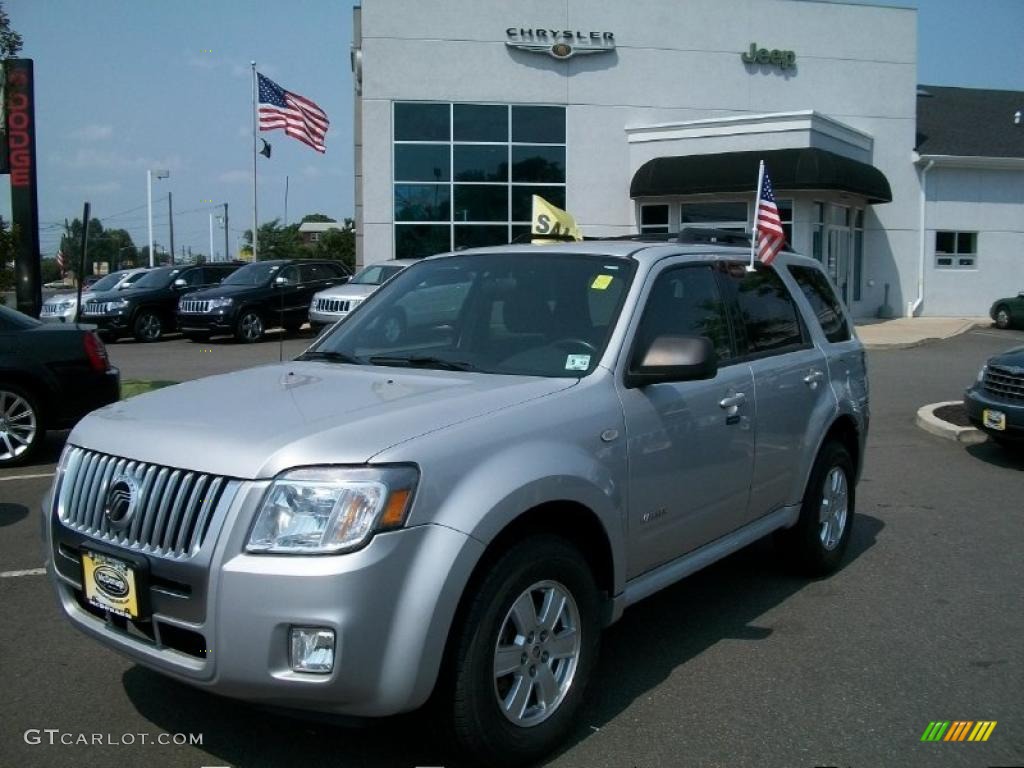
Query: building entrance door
point(839, 261)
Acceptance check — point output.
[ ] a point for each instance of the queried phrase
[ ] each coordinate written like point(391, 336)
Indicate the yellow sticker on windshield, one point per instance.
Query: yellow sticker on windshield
point(601, 282)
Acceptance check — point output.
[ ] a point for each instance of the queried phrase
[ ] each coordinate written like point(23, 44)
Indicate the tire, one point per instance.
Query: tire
point(814, 546)
point(392, 326)
point(21, 426)
point(147, 326)
point(1002, 316)
point(200, 337)
point(529, 570)
point(250, 327)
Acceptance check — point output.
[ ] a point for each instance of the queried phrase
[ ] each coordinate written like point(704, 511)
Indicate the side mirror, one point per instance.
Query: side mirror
point(280, 280)
point(673, 358)
point(180, 283)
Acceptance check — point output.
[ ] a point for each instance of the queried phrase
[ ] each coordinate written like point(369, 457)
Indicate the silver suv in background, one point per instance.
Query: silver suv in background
point(335, 303)
point(461, 507)
point(61, 307)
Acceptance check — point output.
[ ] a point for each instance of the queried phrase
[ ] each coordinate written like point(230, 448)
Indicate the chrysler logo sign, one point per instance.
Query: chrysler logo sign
point(559, 43)
point(119, 503)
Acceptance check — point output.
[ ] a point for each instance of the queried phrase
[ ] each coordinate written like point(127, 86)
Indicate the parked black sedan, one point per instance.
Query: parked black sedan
point(146, 310)
point(50, 377)
point(261, 295)
point(995, 404)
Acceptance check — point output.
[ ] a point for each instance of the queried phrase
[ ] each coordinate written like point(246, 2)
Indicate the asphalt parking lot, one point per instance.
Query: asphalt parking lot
point(740, 665)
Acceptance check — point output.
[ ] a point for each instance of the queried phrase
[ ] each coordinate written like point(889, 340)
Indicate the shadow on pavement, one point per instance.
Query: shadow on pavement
point(653, 640)
point(1007, 457)
point(12, 513)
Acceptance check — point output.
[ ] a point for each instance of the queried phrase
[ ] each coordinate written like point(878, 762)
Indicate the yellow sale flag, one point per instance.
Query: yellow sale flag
point(551, 220)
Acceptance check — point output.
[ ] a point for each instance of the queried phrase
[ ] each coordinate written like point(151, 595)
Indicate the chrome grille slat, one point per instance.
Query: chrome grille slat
point(1002, 382)
point(333, 305)
point(172, 510)
point(194, 305)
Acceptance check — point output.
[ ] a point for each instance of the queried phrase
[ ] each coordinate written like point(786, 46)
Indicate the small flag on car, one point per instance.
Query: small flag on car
point(769, 237)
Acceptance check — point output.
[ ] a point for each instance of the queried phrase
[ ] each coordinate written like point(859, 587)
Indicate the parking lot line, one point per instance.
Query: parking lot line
point(28, 572)
point(27, 477)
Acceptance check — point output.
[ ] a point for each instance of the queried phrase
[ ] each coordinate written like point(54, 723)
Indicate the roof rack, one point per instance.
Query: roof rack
point(687, 235)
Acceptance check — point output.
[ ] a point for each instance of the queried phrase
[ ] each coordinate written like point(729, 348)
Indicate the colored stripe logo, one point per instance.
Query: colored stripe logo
point(958, 730)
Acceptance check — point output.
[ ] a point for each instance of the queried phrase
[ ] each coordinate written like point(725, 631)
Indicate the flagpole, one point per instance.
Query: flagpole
point(255, 138)
point(757, 206)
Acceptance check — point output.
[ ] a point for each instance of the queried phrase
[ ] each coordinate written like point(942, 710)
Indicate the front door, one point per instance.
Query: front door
point(691, 444)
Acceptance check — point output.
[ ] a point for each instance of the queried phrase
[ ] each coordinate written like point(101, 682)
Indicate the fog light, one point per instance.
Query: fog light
point(312, 649)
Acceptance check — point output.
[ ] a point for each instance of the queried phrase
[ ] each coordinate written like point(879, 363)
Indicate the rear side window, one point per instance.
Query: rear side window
point(767, 314)
point(823, 301)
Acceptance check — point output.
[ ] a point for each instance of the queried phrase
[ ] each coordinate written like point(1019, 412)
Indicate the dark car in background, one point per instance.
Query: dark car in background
point(1009, 312)
point(50, 377)
point(995, 403)
point(261, 295)
point(146, 310)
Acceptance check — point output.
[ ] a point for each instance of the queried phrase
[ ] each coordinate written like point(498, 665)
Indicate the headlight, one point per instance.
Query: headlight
point(981, 373)
point(218, 303)
point(331, 509)
point(119, 304)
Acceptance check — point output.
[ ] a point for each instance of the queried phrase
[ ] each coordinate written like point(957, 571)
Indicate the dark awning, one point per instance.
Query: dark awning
point(791, 170)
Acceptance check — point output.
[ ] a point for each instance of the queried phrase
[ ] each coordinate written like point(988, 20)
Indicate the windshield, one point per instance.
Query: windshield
point(12, 320)
point(157, 278)
point(375, 274)
point(252, 274)
point(531, 314)
point(107, 282)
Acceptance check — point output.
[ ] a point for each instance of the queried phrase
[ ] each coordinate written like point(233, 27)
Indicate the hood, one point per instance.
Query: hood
point(258, 422)
point(1013, 358)
point(57, 298)
point(220, 291)
point(347, 291)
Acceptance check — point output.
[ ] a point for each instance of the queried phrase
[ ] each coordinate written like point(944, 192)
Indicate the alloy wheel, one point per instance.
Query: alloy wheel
point(537, 653)
point(1002, 318)
point(835, 505)
point(149, 327)
point(18, 425)
point(252, 326)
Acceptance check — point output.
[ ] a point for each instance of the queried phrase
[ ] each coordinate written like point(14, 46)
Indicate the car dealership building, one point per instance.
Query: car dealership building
point(653, 115)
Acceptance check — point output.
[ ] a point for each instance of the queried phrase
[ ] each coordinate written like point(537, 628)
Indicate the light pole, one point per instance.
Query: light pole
point(160, 174)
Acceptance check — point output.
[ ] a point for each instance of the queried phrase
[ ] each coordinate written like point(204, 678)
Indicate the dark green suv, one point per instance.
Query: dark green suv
point(1008, 313)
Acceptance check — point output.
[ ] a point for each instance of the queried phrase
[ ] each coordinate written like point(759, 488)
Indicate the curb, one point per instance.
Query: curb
point(929, 422)
point(962, 329)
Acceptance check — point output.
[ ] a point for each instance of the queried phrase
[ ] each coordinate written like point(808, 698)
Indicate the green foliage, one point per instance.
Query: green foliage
point(10, 41)
point(338, 245)
point(321, 218)
point(276, 242)
point(49, 272)
point(7, 254)
point(113, 246)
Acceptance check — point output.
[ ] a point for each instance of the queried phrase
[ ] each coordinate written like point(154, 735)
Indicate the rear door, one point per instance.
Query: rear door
point(790, 382)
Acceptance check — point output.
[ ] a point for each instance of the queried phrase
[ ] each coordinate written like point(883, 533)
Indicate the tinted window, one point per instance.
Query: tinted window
point(257, 273)
point(767, 313)
point(413, 241)
point(422, 162)
point(108, 282)
point(538, 164)
point(158, 278)
point(481, 202)
point(195, 277)
point(375, 274)
point(480, 122)
point(481, 163)
point(480, 235)
point(538, 125)
point(522, 200)
point(685, 302)
point(422, 202)
point(290, 274)
point(823, 301)
point(421, 122)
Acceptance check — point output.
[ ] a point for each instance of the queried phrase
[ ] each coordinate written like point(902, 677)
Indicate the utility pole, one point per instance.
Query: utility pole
point(226, 249)
point(211, 238)
point(170, 218)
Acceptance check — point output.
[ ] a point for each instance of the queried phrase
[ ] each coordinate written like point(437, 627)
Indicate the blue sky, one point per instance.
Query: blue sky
point(125, 86)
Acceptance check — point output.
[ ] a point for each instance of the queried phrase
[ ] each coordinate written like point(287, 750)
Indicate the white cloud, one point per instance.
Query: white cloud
point(93, 132)
point(202, 60)
point(90, 158)
point(235, 177)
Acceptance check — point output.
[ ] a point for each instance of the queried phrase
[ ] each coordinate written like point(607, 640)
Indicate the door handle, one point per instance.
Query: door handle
point(733, 401)
point(813, 377)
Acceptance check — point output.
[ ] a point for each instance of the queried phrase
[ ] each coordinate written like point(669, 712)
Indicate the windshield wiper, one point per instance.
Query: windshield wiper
point(331, 357)
point(422, 361)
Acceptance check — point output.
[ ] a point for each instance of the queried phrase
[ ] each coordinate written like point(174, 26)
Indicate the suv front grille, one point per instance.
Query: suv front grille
point(172, 508)
point(335, 306)
point(1002, 382)
point(96, 308)
point(194, 306)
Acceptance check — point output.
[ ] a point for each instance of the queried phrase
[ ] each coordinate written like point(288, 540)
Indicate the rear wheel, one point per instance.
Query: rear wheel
point(818, 541)
point(147, 326)
point(525, 653)
point(249, 327)
point(21, 429)
point(1002, 315)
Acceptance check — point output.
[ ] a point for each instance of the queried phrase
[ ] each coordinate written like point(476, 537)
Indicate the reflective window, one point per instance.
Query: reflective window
point(522, 200)
point(956, 250)
point(480, 235)
point(768, 317)
point(422, 202)
point(538, 164)
point(422, 122)
point(712, 213)
point(654, 218)
point(419, 240)
point(481, 202)
point(422, 162)
point(538, 125)
point(823, 301)
point(480, 162)
point(480, 122)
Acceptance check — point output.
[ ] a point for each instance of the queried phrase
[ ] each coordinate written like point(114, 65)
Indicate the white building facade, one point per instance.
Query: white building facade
point(653, 115)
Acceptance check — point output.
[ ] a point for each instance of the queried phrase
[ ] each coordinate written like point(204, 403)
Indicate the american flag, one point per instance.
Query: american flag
point(298, 116)
point(60, 261)
point(770, 237)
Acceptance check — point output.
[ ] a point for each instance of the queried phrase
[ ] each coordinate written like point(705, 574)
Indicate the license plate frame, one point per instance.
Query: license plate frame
point(115, 583)
point(993, 419)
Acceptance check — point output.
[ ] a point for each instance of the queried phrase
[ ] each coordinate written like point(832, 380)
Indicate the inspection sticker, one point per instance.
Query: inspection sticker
point(577, 362)
point(601, 282)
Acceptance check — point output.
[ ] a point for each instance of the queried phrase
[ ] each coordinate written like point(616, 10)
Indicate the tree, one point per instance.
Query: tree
point(8, 242)
point(320, 218)
point(113, 246)
point(10, 41)
point(338, 245)
point(49, 272)
point(277, 242)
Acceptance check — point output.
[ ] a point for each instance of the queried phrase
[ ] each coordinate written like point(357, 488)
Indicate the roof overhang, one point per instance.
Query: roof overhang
point(792, 170)
point(971, 161)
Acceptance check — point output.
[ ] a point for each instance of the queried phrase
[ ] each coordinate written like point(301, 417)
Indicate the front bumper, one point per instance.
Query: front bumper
point(218, 321)
point(115, 322)
point(390, 605)
point(325, 318)
point(977, 400)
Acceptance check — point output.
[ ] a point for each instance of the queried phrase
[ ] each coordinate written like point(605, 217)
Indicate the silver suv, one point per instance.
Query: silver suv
point(333, 304)
point(460, 509)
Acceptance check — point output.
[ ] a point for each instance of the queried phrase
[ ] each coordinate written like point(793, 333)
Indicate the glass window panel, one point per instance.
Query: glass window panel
point(421, 122)
point(767, 312)
point(538, 125)
point(480, 122)
point(478, 236)
point(840, 216)
point(476, 162)
point(965, 242)
point(860, 219)
point(413, 241)
point(702, 213)
point(823, 301)
point(945, 242)
point(422, 202)
point(685, 302)
point(520, 233)
point(785, 209)
point(538, 164)
point(480, 202)
point(422, 162)
point(787, 231)
point(819, 212)
point(944, 261)
point(858, 262)
point(522, 200)
point(968, 262)
point(654, 215)
point(816, 243)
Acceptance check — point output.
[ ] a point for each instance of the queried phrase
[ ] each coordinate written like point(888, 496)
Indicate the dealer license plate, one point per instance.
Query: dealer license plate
point(994, 419)
point(110, 584)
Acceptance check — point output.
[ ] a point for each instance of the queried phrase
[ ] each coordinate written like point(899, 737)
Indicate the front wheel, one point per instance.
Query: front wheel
point(249, 327)
point(1002, 317)
point(21, 428)
point(525, 653)
point(818, 541)
point(148, 326)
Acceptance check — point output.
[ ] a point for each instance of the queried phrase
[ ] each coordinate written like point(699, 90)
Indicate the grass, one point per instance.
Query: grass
point(140, 387)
